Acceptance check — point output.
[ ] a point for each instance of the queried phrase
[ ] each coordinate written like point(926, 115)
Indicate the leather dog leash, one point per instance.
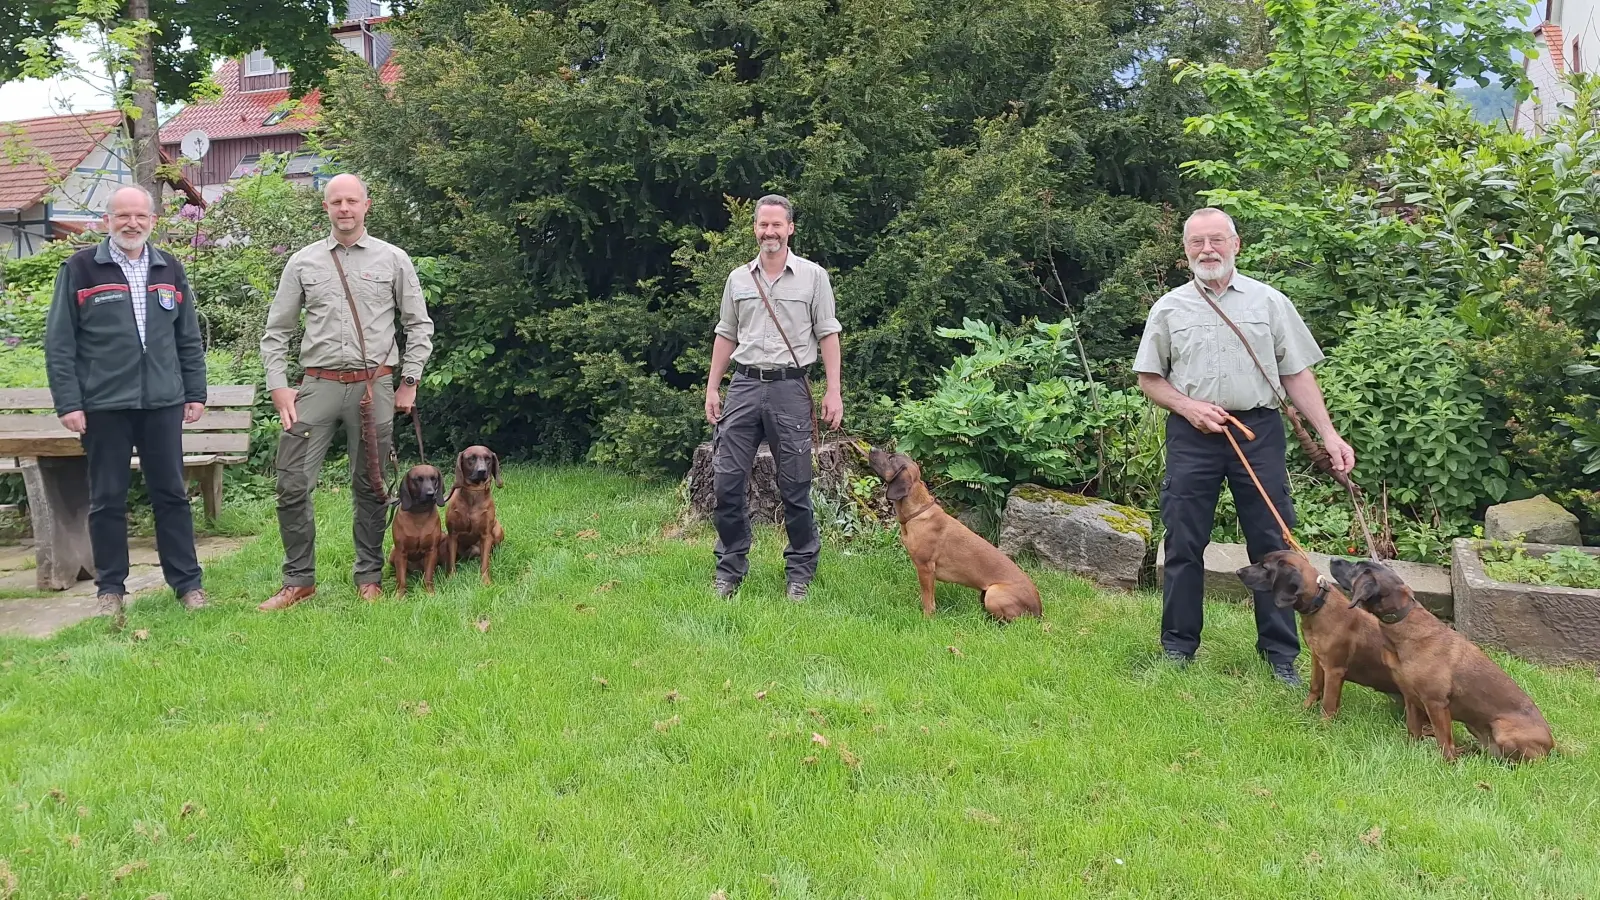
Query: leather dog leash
point(1315, 452)
point(1288, 536)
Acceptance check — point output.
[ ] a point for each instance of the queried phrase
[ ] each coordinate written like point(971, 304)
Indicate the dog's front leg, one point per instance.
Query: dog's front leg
point(429, 561)
point(1414, 717)
point(450, 554)
point(925, 580)
point(1443, 731)
point(1333, 685)
point(1315, 693)
point(484, 553)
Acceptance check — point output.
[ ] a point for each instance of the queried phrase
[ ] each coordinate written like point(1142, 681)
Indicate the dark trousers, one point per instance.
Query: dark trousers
point(1197, 464)
point(778, 412)
point(108, 442)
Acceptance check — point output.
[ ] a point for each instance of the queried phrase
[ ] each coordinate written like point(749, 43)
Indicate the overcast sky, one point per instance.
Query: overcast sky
point(32, 98)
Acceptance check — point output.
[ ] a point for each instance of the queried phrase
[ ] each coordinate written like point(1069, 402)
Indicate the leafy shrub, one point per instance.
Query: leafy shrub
point(1008, 413)
point(1509, 561)
point(25, 299)
point(1403, 394)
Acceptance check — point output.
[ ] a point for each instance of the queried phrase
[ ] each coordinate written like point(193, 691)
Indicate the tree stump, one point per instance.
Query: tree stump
point(834, 467)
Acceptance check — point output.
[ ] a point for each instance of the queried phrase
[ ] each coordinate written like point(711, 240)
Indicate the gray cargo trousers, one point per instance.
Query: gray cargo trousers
point(778, 412)
point(321, 408)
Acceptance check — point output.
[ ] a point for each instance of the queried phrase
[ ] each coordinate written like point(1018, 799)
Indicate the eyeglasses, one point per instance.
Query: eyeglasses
point(1199, 241)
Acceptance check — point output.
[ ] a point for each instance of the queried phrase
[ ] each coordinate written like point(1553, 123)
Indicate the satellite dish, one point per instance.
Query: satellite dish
point(194, 145)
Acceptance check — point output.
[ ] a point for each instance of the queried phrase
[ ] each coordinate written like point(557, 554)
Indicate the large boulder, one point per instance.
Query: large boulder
point(1539, 520)
point(1093, 538)
point(835, 465)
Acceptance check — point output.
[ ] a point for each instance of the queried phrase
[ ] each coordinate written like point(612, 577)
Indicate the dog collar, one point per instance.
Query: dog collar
point(1320, 599)
point(931, 504)
point(1389, 618)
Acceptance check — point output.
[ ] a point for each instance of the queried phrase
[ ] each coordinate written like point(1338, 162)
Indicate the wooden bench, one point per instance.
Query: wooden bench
point(56, 473)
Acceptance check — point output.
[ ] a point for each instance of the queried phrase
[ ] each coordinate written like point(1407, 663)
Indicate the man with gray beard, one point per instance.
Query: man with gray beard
point(127, 369)
point(1194, 364)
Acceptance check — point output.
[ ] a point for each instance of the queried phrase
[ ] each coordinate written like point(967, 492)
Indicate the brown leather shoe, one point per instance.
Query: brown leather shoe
point(286, 598)
point(193, 600)
point(370, 592)
point(115, 606)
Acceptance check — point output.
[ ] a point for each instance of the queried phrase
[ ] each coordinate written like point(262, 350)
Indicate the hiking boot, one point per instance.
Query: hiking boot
point(115, 606)
point(286, 598)
point(369, 592)
point(1178, 658)
point(193, 600)
point(725, 588)
point(797, 591)
point(1285, 673)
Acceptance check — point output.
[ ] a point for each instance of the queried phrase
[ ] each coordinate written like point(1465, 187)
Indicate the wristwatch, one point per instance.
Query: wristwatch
point(410, 380)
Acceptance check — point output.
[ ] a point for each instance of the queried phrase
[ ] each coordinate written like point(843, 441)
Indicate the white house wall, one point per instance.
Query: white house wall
point(83, 194)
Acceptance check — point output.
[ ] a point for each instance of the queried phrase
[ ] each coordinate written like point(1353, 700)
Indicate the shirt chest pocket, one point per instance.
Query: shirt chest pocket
point(374, 285)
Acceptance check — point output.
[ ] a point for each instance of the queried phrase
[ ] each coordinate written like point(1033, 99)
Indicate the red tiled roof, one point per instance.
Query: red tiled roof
point(33, 152)
point(240, 113)
point(1551, 33)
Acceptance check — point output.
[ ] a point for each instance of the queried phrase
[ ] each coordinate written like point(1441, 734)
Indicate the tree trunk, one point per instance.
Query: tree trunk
point(145, 129)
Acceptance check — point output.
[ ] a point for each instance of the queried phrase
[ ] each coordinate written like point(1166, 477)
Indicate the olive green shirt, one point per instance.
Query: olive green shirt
point(1189, 345)
point(802, 298)
point(382, 281)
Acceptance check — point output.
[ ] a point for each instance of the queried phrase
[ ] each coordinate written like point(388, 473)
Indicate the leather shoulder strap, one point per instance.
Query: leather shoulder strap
point(361, 337)
point(1217, 308)
point(756, 277)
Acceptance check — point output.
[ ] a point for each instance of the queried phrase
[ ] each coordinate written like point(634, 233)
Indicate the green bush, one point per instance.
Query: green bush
point(25, 298)
point(1403, 394)
point(1509, 561)
point(1009, 412)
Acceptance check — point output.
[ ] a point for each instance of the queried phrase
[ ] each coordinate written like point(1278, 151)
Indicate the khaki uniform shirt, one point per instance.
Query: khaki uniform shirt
point(1187, 343)
point(382, 280)
point(802, 297)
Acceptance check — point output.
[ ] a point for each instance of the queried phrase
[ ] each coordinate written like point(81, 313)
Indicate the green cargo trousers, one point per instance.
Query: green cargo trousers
point(321, 407)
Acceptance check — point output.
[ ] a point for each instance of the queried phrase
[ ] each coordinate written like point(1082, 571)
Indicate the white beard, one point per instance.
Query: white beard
point(771, 246)
point(1213, 271)
point(122, 243)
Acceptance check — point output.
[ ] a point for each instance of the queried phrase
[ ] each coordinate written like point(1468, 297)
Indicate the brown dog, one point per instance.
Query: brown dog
point(945, 550)
point(1442, 675)
point(416, 530)
point(1346, 643)
point(470, 511)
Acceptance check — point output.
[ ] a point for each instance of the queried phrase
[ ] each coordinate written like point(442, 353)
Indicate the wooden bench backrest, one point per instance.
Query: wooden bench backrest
point(225, 427)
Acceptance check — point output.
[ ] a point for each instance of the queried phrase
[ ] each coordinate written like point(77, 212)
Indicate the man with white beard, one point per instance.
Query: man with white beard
point(1191, 362)
point(127, 369)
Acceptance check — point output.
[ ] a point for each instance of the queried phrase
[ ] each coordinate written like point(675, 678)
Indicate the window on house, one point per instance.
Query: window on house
point(259, 63)
point(277, 115)
point(355, 43)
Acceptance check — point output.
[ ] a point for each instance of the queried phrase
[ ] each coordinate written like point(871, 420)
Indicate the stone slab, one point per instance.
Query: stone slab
point(1089, 537)
point(43, 616)
point(1546, 624)
point(1430, 583)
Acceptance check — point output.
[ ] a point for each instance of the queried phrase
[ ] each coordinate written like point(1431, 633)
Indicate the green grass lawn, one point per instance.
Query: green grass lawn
point(619, 732)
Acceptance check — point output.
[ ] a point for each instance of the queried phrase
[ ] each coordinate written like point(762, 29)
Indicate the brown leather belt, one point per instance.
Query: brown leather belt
point(344, 376)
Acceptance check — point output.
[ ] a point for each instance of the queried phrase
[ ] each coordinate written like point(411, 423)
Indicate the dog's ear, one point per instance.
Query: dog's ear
point(899, 487)
point(1344, 572)
point(408, 500)
point(461, 470)
point(1367, 592)
point(495, 467)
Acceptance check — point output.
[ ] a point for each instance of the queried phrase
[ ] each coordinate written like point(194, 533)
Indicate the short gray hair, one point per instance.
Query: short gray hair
point(149, 197)
point(776, 200)
point(1211, 211)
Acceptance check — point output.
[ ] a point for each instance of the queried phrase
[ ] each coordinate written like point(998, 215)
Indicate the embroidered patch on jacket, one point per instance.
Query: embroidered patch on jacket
point(109, 297)
point(168, 298)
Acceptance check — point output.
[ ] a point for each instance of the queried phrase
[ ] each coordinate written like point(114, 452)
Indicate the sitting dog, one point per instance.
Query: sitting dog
point(1346, 643)
point(469, 513)
point(416, 530)
point(943, 549)
point(1442, 675)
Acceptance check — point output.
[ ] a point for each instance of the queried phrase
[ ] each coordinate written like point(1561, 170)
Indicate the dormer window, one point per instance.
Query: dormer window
point(259, 63)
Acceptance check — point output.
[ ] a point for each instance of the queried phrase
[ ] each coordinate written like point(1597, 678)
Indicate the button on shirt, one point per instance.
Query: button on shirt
point(382, 279)
point(1189, 345)
point(802, 298)
point(137, 271)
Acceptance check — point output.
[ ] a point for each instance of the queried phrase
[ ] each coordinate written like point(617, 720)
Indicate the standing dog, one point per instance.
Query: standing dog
point(470, 511)
point(1442, 675)
point(945, 550)
point(416, 530)
point(1346, 643)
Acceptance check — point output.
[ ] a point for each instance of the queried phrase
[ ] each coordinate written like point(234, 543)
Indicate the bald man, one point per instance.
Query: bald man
point(127, 370)
point(349, 268)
